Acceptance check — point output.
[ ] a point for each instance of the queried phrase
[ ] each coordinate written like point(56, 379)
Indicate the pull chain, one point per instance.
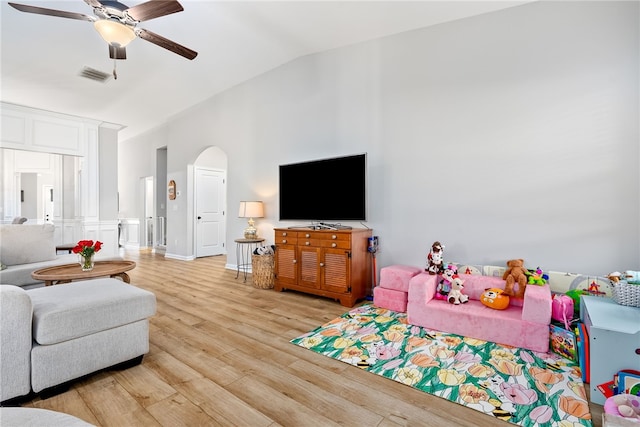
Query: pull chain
point(115, 76)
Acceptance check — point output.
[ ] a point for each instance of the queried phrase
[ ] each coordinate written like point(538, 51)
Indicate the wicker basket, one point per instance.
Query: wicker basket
point(262, 271)
point(626, 294)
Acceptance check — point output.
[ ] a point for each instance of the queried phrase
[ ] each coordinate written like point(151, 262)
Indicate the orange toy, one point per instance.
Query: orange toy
point(494, 298)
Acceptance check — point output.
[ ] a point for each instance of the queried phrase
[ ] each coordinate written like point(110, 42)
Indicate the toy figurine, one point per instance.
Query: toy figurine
point(444, 285)
point(435, 259)
point(456, 296)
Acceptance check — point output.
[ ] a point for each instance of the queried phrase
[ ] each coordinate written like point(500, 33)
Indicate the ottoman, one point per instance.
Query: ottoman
point(394, 287)
point(390, 299)
point(83, 327)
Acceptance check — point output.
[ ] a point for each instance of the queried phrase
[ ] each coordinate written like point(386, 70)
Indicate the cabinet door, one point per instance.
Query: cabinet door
point(286, 268)
point(309, 267)
point(336, 270)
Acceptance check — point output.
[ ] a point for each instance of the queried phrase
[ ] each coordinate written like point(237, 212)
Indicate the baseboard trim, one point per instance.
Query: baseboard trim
point(179, 257)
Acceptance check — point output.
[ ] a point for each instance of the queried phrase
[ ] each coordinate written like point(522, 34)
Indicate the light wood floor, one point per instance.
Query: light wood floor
point(220, 356)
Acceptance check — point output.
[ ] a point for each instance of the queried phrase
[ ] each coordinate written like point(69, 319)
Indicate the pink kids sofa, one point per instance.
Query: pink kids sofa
point(525, 323)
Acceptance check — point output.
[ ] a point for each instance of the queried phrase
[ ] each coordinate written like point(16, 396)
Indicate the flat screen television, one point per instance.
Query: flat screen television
point(331, 189)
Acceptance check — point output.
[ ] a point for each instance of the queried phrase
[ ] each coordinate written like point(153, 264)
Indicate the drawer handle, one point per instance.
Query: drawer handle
point(334, 237)
point(294, 261)
point(284, 241)
point(307, 235)
point(307, 243)
point(284, 234)
point(334, 244)
point(322, 264)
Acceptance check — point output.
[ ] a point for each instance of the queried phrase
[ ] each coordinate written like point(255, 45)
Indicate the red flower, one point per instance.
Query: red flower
point(87, 248)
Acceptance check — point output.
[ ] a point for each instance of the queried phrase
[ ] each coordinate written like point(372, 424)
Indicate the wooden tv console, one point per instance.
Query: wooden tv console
point(329, 263)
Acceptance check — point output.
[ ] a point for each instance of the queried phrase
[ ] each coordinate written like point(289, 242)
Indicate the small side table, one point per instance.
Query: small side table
point(244, 248)
point(614, 339)
point(68, 247)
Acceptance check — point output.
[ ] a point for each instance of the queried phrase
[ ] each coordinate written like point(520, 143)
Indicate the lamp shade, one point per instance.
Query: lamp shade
point(251, 210)
point(114, 33)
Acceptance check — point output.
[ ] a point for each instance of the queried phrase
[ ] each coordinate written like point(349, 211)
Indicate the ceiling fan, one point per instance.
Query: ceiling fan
point(117, 23)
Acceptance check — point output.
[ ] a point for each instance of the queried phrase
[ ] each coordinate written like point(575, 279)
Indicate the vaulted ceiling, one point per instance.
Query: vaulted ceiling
point(42, 56)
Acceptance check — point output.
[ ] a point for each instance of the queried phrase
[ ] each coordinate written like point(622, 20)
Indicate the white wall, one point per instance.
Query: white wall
point(514, 134)
point(108, 155)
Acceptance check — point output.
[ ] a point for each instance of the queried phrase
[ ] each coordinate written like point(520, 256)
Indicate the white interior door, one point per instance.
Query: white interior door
point(210, 226)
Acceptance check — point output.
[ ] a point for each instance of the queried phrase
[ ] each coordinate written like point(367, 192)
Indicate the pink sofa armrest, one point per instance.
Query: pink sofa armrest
point(536, 307)
point(422, 288)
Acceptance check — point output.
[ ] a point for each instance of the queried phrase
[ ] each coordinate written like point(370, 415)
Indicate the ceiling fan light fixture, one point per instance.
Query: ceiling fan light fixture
point(114, 33)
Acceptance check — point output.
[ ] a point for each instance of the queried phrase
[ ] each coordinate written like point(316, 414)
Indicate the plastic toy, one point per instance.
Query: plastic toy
point(537, 277)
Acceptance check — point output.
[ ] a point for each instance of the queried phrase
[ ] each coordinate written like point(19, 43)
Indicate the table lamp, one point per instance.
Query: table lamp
point(251, 210)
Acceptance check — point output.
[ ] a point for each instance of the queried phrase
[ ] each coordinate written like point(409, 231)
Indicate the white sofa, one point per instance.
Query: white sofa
point(26, 248)
point(52, 335)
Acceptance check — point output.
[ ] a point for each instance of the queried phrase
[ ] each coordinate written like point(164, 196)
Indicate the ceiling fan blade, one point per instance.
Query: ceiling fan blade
point(93, 3)
point(153, 9)
point(117, 52)
point(166, 43)
point(51, 12)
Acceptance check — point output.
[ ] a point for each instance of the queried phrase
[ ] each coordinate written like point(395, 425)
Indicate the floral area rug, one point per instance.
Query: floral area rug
point(520, 386)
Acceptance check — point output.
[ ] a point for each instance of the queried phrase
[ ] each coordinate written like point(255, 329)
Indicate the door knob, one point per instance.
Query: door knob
point(199, 217)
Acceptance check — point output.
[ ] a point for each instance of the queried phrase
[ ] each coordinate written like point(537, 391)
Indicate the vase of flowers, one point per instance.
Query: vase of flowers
point(86, 249)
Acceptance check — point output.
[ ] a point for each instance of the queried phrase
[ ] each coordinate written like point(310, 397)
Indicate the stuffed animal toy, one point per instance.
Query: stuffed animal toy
point(627, 405)
point(264, 250)
point(614, 277)
point(515, 273)
point(444, 286)
point(495, 298)
point(456, 296)
point(631, 276)
point(435, 259)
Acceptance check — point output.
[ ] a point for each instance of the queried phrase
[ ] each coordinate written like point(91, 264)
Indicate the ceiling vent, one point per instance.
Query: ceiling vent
point(93, 74)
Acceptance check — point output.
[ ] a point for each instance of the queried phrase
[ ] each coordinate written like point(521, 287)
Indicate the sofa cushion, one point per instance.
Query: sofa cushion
point(397, 277)
point(20, 274)
point(36, 417)
point(15, 343)
point(24, 244)
point(77, 309)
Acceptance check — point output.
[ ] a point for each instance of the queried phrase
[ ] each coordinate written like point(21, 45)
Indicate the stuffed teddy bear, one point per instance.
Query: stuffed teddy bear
point(515, 273)
point(456, 296)
point(435, 259)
